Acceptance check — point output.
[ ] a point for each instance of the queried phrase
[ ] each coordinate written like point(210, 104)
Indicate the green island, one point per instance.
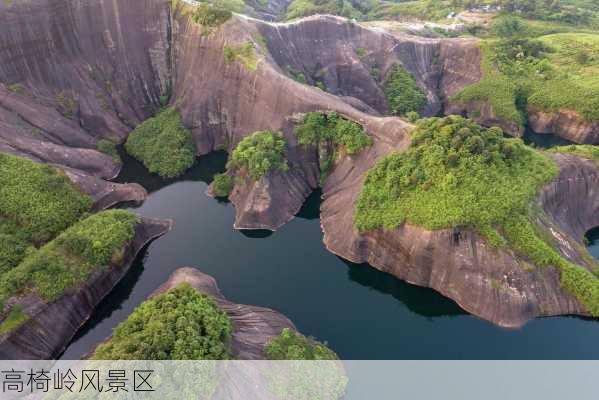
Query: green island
point(180, 324)
point(332, 134)
point(260, 153)
point(223, 185)
point(163, 144)
point(184, 324)
point(456, 173)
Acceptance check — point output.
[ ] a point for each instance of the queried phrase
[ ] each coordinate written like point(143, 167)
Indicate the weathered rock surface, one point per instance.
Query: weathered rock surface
point(493, 284)
point(51, 327)
point(70, 78)
point(567, 124)
point(253, 327)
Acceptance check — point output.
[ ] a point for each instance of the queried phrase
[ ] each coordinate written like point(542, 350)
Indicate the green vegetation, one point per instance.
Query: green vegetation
point(69, 260)
point(402, 92)
point(329, 131)
point(317, 127)
point(107, 146)
point(14, 243)
point(211, 16)
point(163, 144)
point(296, 75)
point(431, 10)
point(14, 319)
point(40, 200)
point(344, 8)
point(550, 73)
point(245, 53)
point(180, 324)
point(290, 345)
point(260, 153)
point(456, 173)
point(222, 185)
point(18, 88)
point(581, 150)
point(412, 116)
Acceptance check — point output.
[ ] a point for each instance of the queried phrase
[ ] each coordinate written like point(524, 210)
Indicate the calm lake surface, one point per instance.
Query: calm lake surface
point(360, 312)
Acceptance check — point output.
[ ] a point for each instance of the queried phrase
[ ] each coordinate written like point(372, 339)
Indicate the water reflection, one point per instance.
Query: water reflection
point(203, 170)
point(420, 300)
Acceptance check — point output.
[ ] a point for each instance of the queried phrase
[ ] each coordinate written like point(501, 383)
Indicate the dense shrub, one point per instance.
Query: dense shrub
point(109, 147)
point(318, 127)
point(455, 173)
point(12, 251)
point(344, 8)
point(163, 144)
point(68, 260)
point(222, 185)
point(37, 198)
point(180, 324)
point(330, 131)
point(211, 16)
point(543, 74)
point(290, 345)
point(402, 92)
point(260, 153)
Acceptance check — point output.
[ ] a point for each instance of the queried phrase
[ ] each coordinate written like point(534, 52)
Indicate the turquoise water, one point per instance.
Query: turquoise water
point(362, 313)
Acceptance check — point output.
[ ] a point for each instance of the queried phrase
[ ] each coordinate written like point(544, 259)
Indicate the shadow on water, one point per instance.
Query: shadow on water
point(543, 140)
point(203, 170)
point(119, 294)
point(420, 300)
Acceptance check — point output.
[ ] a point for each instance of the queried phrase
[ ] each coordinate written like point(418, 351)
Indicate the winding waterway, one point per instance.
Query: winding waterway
point(362, 313)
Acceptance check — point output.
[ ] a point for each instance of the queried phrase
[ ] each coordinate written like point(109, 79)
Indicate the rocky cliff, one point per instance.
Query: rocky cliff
point(75, 71)
point(493, 284)
point(50, 327)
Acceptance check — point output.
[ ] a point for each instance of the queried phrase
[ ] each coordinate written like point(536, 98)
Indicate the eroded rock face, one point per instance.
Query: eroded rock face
point(253, 327)
point(70, 78)
point(51, 327)
point(73, 72)
point(493, 284)
point(567, 124)
point(223, 102)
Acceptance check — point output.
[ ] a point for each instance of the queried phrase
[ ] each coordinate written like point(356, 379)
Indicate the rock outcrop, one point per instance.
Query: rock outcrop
point(51, 326)
point(70, 78)
point(493, 284)
point(253, 327)
point(567, 124)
